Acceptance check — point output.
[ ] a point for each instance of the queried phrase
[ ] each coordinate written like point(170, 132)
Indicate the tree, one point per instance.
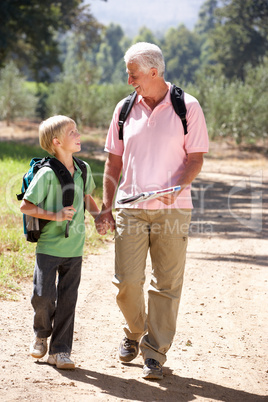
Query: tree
point(206, 17)
point(205, 25)
point(28, 31)
point(15, 100)
point(145, 35)
point(240, 36)
point(182, 52)
point(110, 54)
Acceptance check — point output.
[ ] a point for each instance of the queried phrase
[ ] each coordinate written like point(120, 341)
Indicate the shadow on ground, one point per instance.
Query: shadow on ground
point(171, 388)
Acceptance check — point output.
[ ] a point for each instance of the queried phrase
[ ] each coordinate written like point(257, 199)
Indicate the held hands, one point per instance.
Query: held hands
point(103, 222)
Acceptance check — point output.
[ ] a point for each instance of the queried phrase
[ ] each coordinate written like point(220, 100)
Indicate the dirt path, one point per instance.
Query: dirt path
point(219, 352)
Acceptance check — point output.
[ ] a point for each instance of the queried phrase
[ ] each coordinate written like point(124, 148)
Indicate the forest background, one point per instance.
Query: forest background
point(56, 58)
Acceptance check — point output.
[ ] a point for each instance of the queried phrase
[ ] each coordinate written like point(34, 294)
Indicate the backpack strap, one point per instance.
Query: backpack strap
point(177, 99)
point(67, 185)
point(65, 179)
point(82, 166)
point(126, 108)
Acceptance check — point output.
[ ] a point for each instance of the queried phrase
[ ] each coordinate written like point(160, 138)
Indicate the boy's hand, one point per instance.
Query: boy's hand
point(66, 214)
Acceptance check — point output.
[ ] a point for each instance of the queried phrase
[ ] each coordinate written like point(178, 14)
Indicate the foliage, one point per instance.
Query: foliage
point(90, 105)
point(110, 54)
point(28, 31)
point(207, 18)
point(181, 50)
point(205, 25)
point(235, 109)
point(240, 35)
point(15, 99)
point(146, 35)
point(223, 60)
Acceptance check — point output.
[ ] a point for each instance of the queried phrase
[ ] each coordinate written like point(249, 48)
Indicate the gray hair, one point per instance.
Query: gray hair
point(147, 56)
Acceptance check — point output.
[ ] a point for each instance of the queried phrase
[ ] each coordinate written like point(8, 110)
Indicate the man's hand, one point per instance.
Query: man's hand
point(193, 166)
point(170, 198)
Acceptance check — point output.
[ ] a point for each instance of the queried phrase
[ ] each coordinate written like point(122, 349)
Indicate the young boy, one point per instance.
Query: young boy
point(57, 256)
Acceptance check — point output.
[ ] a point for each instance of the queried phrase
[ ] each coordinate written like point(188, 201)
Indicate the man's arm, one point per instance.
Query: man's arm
point(193, 167)
point(112, 170)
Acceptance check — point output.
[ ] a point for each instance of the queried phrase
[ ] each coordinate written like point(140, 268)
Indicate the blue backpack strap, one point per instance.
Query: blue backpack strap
point(126, 108)
point(177, 99)
point(35, 165)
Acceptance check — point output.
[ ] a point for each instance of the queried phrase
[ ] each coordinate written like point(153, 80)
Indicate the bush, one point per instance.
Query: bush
point(90, 105)
point(235, 109)
point(15, 99)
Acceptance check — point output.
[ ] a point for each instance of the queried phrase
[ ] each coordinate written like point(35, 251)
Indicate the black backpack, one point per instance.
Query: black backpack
point(177, 99)
point(33, 226)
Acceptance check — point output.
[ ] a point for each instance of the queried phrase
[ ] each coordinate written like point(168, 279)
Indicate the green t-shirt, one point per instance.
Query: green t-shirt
point(45, 191)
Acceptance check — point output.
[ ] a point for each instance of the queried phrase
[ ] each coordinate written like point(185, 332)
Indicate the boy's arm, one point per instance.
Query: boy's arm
point(112, 170)
point(31, 209)
point(91, 206)
point(93, 209)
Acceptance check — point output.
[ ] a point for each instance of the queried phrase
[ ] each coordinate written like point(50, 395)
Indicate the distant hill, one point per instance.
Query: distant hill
point(157, 15)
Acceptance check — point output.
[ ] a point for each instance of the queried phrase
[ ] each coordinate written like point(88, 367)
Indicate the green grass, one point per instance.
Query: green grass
point(16, 254)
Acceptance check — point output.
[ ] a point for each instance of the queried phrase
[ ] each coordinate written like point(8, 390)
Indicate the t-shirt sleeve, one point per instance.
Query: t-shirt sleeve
point(38, 188)
point(197, 138)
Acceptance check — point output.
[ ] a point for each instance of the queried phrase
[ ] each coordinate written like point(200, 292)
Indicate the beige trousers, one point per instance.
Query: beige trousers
point(165, 234)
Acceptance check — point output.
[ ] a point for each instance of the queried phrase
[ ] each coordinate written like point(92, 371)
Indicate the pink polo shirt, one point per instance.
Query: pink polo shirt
point(154, 150)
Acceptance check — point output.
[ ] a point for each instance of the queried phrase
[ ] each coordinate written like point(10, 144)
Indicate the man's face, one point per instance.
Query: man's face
point(141, 81)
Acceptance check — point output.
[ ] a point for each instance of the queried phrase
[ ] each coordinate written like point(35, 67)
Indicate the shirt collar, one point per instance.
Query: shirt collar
point(167, 98)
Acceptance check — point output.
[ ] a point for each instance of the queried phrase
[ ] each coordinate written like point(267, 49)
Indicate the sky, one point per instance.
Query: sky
point(157, 15)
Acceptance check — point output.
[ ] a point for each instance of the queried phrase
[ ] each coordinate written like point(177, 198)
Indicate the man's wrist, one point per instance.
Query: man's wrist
point(106, 208)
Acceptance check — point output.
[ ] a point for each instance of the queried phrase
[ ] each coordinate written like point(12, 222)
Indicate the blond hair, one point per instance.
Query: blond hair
point(51, 128)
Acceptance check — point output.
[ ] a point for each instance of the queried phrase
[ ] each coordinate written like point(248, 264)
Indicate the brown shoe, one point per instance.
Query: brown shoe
point(152, 370)
point(128, 350)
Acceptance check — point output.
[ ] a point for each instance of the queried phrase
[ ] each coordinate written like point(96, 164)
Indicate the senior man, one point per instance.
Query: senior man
point(154, 154)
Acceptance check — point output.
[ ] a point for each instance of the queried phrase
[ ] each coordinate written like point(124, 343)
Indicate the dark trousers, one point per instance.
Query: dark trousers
point(55, 290)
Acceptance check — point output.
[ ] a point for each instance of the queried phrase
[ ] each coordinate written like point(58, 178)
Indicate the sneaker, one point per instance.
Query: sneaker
point(61, 361)
point(128, 350)
point(152, 370)
point(38, 347)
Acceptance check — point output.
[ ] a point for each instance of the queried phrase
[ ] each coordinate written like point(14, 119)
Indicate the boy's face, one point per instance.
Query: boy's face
point(70, 140)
